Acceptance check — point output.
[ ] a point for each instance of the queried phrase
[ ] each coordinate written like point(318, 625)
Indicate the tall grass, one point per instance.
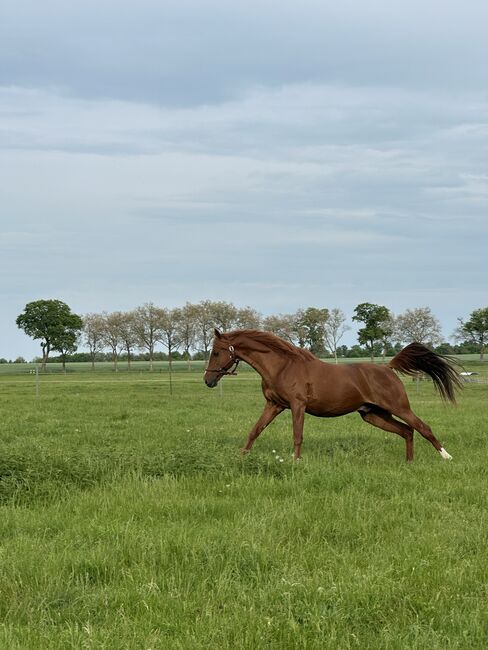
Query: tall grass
point(130, 520)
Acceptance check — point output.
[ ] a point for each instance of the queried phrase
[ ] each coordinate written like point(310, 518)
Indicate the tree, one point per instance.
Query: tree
point(188, 329)
point(334, 329)
point(128, 335)
point(112, 334)
point(376, 319)
point(418, 325)
point(205, 325)
point(248, 318)
point(224, 315)
point(93, 327)
point(283, 325)
point(67, 344)
point(388, 327)
point(170, 328)
point(52, 322)
point(311, 328)
point(147, 327)
point(475, 329)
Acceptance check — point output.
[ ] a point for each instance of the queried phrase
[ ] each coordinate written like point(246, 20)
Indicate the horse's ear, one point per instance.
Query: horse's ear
point(218, 333)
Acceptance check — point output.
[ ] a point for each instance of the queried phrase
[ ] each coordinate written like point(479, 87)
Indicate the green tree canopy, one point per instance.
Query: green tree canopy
point(475, 329)
point(377, 324)
point(311, 328)
point(53, 323)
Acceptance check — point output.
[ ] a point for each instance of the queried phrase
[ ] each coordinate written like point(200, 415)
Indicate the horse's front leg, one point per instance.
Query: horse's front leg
point(298, 415)
point(271, 410)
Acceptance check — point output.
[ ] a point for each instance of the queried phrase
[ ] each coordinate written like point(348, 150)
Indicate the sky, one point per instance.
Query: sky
point(272, 154)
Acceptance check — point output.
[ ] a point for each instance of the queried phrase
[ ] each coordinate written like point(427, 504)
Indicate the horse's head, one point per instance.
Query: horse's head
point(222, 359)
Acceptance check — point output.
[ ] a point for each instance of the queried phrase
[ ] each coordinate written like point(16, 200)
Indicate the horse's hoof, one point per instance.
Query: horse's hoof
point(244, 451)
point(444, 454)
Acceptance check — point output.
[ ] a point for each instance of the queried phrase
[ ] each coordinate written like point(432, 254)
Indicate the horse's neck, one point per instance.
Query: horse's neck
point(260, 361)
point(264, 361)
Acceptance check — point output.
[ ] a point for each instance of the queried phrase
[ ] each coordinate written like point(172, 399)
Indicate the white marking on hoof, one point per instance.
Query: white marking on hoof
point(444, 454)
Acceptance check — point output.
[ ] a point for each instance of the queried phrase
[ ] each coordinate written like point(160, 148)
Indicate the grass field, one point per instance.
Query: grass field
point(129, 520)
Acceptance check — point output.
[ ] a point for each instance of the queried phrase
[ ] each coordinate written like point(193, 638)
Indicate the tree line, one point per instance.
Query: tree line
point(187, 332)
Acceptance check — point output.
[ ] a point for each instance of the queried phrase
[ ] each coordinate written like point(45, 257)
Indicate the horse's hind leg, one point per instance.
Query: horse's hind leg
point(271, 410)
point(382, 419)
point(415, 422)
point(298, 416)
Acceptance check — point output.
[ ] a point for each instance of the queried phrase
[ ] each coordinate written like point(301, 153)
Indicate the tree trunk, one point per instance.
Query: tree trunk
point(45, 355)
point(170, 370)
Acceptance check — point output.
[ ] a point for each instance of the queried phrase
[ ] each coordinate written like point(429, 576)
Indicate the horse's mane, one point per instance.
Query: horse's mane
point(271, 341)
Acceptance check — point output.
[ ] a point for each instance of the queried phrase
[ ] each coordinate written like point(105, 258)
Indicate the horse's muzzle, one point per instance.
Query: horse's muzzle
point(211, 381)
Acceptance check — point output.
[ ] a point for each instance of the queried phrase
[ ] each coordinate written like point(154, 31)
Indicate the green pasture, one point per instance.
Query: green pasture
point(129, 520)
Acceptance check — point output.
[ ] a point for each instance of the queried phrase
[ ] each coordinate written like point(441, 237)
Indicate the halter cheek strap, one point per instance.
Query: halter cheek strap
point(231, 368)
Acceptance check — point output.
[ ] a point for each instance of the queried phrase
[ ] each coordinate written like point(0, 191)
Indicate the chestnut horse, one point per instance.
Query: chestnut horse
point(293, 378)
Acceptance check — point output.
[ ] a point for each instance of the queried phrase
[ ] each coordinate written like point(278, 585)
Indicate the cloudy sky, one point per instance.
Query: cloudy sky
point(274, 154)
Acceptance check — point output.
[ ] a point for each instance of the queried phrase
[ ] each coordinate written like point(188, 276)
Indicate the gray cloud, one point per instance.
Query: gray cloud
point(276, 155)
point(193, 53)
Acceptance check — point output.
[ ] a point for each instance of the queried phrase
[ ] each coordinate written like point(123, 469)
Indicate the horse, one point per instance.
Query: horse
point(293, 378)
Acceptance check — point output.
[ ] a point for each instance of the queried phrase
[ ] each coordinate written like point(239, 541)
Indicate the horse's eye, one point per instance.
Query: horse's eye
point(215, 354)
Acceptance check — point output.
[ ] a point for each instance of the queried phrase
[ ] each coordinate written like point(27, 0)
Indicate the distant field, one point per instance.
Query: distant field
point(471, 360)
point(129, 520)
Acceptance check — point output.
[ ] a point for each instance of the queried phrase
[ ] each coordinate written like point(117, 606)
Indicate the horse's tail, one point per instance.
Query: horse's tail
point(416, 358)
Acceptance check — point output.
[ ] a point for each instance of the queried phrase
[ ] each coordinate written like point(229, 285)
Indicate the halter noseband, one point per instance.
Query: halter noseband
point(231, 368)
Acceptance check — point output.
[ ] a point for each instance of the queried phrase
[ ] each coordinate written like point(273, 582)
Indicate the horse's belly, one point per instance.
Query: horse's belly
point(334, 402)
point(330, 412)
